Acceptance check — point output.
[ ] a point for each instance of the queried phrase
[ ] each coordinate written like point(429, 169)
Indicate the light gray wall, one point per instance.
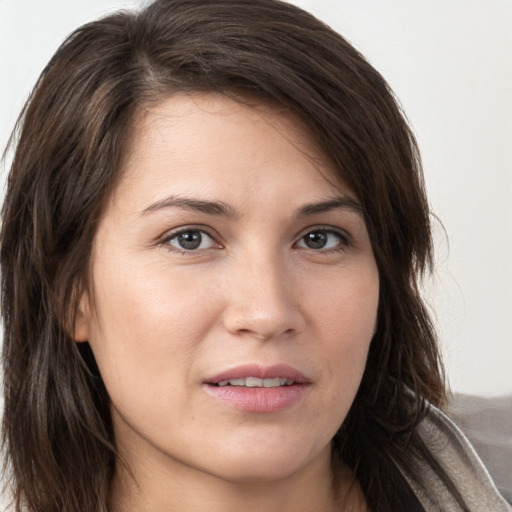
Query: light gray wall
point(449, 61)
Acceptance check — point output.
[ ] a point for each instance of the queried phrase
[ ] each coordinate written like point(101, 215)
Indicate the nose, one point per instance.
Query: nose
point(263, 299)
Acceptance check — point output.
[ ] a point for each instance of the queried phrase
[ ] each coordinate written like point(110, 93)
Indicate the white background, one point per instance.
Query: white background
point(450, 63)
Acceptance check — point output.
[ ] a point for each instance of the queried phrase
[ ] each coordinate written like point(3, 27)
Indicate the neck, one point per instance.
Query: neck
point(190, 490)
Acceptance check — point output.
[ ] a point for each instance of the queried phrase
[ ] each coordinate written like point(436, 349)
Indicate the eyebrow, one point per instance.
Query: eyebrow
point(341, 202)
point(220, 209)
point(217, 208)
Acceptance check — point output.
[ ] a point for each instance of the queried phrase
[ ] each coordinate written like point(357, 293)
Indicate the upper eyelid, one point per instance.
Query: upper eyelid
point(345, 241)
point(324, 227)
point(171, 233)
point(165, 240)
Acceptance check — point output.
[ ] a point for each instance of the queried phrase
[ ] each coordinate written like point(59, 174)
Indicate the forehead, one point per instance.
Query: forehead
point(229, 114)
point(212, 143)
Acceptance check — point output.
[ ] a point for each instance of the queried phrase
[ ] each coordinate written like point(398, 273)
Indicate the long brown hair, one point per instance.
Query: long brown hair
point(71, 135)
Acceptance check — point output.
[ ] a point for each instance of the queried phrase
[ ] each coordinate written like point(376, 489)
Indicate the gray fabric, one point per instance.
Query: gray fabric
point(460, 461)
point(487, 423)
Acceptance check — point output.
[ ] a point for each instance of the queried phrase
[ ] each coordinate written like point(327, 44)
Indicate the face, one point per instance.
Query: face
point(234, 294)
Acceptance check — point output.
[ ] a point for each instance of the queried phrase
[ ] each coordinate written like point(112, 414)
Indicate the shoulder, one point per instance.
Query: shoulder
point(450, 448)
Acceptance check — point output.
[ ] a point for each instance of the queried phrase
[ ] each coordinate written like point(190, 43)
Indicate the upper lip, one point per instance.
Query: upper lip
point(283, 371)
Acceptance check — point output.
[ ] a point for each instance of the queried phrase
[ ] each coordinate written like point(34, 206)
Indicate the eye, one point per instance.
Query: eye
point(190, 240)
point(322, 239)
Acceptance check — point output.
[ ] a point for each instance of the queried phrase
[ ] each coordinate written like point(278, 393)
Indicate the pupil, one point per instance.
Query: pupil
point(190, 240)
point(316, 240)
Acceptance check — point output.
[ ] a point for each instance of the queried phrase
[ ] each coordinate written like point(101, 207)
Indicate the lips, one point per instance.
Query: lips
point(247, 372)
point(256, 382)
point(253, 388)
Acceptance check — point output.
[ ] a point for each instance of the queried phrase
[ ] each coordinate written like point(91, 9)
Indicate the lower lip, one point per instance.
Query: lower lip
point(258, 399)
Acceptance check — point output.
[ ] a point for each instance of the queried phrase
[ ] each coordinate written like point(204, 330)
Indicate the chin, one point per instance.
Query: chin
point(260, 463)
point(259, 472)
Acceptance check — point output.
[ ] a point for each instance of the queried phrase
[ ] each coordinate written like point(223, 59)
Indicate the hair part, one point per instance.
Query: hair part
point(72, 136)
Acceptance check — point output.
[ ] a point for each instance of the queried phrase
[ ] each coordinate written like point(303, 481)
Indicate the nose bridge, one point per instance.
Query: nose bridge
point(262, 299)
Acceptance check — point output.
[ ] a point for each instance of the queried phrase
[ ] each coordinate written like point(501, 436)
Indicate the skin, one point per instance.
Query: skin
point(161, 319)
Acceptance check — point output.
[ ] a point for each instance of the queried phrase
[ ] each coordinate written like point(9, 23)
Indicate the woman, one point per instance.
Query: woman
point(212, 237)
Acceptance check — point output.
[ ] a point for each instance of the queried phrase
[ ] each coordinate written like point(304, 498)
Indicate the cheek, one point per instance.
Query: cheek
point(346, 314)
point(346, 308)
point(147, 328)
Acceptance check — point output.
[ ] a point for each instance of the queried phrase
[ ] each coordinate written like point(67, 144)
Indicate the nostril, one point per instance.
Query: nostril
point(262, 321)
point(262, 337)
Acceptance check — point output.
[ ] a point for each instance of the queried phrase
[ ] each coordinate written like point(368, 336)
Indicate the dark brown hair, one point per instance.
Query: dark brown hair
point(72, 133)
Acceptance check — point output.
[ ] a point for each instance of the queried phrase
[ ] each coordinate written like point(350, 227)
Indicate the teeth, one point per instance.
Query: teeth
point(255, 382)
point(236, 382)
point(271, 383)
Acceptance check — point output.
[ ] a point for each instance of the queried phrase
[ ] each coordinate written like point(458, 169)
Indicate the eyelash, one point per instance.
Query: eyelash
point(166, 241)
point(344, 239)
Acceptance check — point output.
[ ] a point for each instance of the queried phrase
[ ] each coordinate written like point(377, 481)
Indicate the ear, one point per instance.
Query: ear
point(83, 319)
